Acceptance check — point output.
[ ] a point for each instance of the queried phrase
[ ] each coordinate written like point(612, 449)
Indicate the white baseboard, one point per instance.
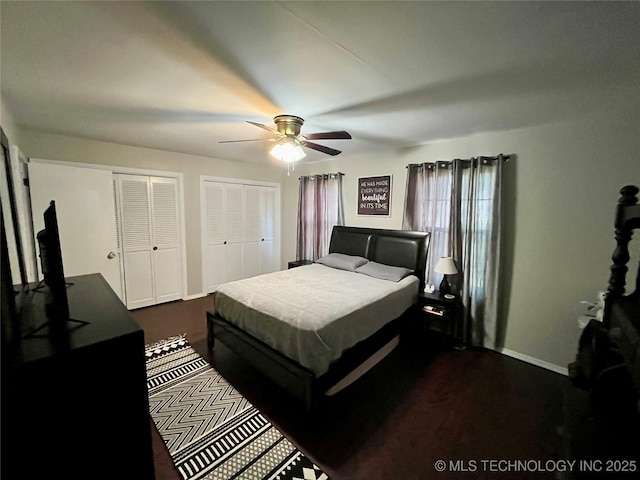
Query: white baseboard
point(194, 296)
point(535, 361)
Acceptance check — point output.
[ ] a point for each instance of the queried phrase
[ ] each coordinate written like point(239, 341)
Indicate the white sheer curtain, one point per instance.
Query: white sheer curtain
point(459, 202)
point(320, 207)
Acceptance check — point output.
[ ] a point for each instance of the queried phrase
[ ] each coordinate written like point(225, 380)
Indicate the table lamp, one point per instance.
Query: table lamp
point(446, 266)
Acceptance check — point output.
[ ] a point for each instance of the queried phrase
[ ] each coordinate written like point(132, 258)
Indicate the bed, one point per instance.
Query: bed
point(621, 316)
point(608, 359)
point(314, 328)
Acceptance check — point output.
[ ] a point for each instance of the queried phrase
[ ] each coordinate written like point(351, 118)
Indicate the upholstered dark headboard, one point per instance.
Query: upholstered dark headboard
point(400, 248)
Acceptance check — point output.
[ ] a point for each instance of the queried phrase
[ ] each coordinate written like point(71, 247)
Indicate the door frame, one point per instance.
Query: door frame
point(151, 173)
point(203, 218)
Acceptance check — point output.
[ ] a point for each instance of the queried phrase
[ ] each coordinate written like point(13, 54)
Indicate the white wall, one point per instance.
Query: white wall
point(58, 147)
point(561, 193)
point(353, 167)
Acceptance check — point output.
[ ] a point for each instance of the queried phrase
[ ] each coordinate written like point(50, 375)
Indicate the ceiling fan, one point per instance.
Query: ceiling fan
point(289, 140)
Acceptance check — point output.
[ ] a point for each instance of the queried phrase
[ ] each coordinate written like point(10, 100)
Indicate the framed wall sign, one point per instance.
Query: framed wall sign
point(374, 195)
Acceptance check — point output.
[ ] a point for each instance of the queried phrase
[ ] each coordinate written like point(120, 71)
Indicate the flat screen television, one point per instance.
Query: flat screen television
point(52, 267)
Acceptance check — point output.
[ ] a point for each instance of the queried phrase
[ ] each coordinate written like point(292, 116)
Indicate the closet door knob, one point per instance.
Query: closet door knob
point(111, 255)
point(155, 248)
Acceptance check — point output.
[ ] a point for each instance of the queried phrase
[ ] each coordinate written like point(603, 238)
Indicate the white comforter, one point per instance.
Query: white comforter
point(313, 313)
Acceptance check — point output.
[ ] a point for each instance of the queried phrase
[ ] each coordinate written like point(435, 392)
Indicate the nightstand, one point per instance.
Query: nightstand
point(299, 263)
point(438, 314)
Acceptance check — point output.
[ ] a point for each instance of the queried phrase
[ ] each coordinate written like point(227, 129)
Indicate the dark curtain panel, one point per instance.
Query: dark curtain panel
point(459, 202)
point(320, 207)
point(428, 209)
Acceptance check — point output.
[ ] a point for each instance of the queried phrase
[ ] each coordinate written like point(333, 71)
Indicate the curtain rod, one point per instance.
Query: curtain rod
point(317, 174)
point(506, 158)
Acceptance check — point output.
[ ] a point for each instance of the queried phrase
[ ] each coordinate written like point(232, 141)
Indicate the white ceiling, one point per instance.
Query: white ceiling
point(182, 76)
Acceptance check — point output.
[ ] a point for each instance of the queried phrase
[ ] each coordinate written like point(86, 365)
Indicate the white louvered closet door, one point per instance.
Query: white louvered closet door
point(136, 240)
point(149, 231)
point(252, 230)
point(166, 245)
point(239, 231)
point(224, 234)
point(269, 246)
point(260, 247)
point(234, 206)
point(215, 238)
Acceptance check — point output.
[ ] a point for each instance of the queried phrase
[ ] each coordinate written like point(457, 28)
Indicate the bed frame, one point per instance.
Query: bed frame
point(400, 248)
point(608, 359)
point(621, 316)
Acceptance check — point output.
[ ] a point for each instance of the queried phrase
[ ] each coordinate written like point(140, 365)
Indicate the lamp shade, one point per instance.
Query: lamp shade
point(446, 265)
point(288, 151)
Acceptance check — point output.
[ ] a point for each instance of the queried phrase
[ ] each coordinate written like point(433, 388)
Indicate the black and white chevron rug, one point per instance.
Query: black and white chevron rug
point(212, 432)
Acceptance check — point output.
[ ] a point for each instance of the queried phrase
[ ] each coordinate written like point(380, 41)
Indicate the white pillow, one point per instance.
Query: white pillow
point(384, 272)
point(342, 261)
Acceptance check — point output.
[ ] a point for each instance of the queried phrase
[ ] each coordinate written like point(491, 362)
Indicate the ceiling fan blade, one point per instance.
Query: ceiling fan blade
point(250, 140)
point(266, 127)
point(341, 135)
point(322, 148)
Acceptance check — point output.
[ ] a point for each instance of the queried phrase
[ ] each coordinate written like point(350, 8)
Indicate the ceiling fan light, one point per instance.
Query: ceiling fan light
point(288, 151)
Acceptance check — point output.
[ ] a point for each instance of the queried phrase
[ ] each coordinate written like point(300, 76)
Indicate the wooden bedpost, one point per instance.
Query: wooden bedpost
point(620, 257)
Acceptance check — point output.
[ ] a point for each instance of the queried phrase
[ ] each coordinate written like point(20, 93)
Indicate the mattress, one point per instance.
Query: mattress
point(313, 313)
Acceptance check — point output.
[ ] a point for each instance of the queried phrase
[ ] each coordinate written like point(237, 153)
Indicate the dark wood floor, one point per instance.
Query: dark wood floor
point(421, 404)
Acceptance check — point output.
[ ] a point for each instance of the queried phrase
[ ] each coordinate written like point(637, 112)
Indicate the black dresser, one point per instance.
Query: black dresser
point(74, 399)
